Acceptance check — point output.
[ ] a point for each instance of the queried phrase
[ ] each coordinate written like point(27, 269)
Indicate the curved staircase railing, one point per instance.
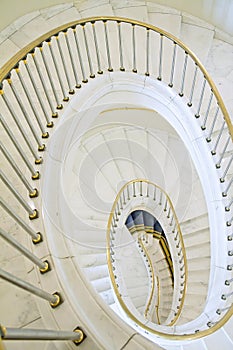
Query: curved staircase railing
point(152, 276)
point(36, 82)
point(128, 198)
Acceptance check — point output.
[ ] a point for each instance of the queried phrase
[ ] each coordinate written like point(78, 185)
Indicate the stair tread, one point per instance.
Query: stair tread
point(104, 9)
point(191, 33)
point(102, 285)
point(137, 10)
point(107, 296)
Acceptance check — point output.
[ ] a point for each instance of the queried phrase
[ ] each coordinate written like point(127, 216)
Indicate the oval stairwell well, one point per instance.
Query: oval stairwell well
point(116, 170)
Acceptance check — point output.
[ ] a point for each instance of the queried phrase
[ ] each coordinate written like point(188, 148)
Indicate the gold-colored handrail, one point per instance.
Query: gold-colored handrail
point(13, 62)
point(165, 250)
point(167, 256)
point(158, 300)
point(108, 239)
point(201, 333)
point(152, 279)
point(4, 71)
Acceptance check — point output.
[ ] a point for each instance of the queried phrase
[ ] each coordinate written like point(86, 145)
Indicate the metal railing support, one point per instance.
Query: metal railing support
point(147, 73)
point(84, 78)
point(110, 69)
point(208, 139)
point(50, 79)
point(43, 265)
point(173, 66)
point(71, 91)
point(100, 71)
point(15, 93)
point(120, 47)
point(134, 70)
point(33, 213)
point(49, 43)
point(38, 159)
point(160, 57)
point(33, 192)
point(36, 236)
point(7, 333)
point(72, 64)
point(45, 134)
point(35, 89)
point(33, 55)
point(181, 93)
point(54, 299)
point(92, 75)
point(35, 174)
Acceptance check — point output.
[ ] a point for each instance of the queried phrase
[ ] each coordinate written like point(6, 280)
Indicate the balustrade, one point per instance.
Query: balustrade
point(34, 74)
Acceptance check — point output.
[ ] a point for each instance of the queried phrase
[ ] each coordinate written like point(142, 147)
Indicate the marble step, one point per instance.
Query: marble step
point(98, 154)
point(90, 250)
point(163, 314)
point(165, 280)
point(194, 264)
point(102, 284)
point(96, 272)
point(161, 265)
point(194, 299)
point(167, 299)
point(107, 296)
point(164, 273)
point(198, 35)
point(201, 236)
point(93, 260)
point(137, 292)
point(133, 282)
point(194, 224)
point(137, 9)
point(140, 301)
point(192, 312)
point(198, 288)
point(91, 9)
point(139, 13)
point(198, 250)
point(168, 19)
point(168, 293)
point(84, 243)
point(197, 276)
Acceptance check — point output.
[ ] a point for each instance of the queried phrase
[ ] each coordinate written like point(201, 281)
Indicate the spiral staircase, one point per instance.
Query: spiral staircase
point(102, 116)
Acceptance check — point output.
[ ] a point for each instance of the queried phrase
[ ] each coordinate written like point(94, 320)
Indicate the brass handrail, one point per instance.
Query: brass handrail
point(158, 300)
point(21, 55)
point(108, 239)
point(4, 71)
point(152, 279)
point(163, 244)
point(201, 333)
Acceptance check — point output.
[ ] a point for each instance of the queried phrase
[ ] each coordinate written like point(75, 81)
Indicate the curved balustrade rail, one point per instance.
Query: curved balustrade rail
point(152, 277)
point(40, 78)
point(128, 198)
